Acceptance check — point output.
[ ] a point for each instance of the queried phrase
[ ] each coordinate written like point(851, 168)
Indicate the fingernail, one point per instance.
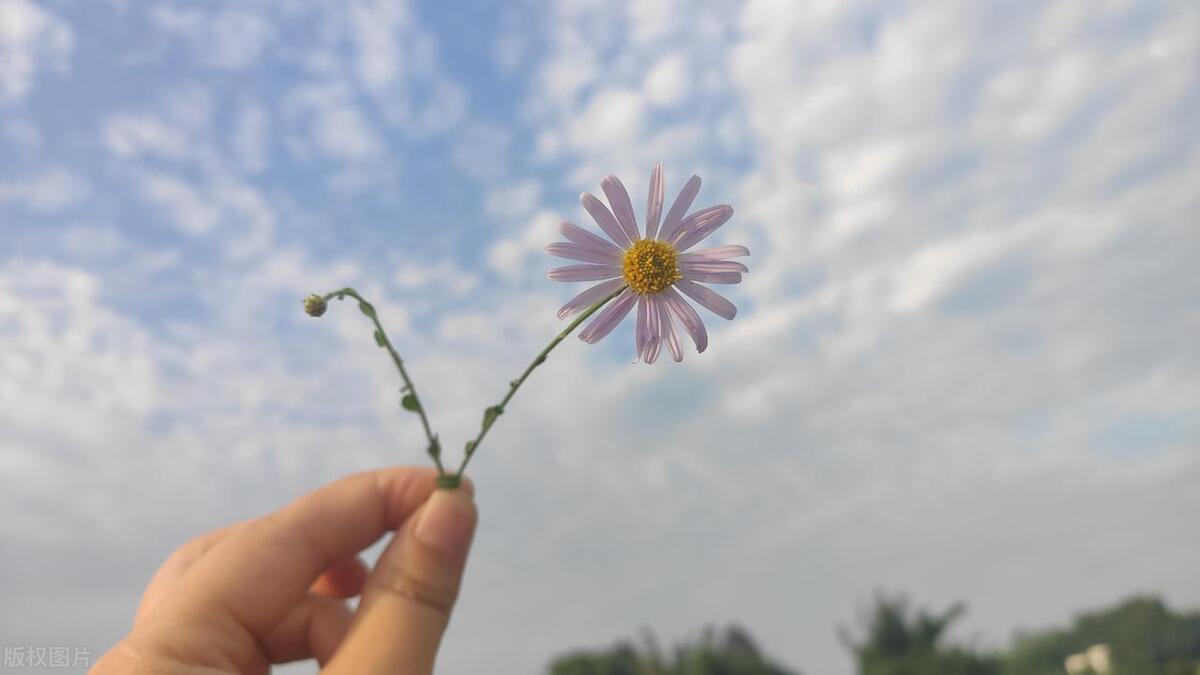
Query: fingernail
point(447, 521)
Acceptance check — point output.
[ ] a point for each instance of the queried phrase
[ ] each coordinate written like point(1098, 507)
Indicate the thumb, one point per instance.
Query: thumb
point(408, 597)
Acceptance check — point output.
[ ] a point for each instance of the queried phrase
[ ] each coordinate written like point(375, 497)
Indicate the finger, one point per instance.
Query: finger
point(407, 601)
point(176, 564)
point(343, 579)
point(312, 630)
point(260, 572)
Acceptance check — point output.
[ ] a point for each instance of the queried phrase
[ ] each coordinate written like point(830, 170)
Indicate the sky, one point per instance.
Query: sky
point(964, 365)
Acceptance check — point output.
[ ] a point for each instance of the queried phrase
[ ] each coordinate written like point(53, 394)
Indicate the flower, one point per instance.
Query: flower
point(314, 305)
point(649, 271)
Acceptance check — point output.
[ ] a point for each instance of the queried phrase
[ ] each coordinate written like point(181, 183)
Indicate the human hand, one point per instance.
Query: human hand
point(271, 590)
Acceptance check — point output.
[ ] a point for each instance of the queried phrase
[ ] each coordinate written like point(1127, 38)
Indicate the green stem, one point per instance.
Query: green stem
point(409, 387)
point(495, 411)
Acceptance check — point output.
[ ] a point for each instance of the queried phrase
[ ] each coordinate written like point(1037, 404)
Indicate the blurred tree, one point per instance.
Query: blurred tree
point(898, 641)
point(730, 653)
point(1144, 636)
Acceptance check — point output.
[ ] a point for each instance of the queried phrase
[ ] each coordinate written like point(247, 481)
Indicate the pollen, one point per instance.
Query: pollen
point(650, 266)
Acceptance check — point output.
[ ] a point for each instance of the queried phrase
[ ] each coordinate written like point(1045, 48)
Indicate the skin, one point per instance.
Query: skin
point(273, 589)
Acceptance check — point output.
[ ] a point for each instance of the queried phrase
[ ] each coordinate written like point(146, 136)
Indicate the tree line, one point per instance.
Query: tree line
point(1140, 635)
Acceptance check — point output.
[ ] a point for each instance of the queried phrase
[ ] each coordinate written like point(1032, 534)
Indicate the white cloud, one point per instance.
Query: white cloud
point(343, 133)
point(613, 118)
point(481, 151)
point(614, 76)
point(227, 39)
point(442, 277)
point(249, 218)
point(668, 81)
point(512, 43)
point(523, 256)
point(223, 206)
point(182, 203)
point(939, 267)
point(135, 135)
point(30, 39)
point(514, 201)
point(445, 109)
point(93, 241)
point(397, 64)
point(561, 79)
point(375, 25)
point(652, 21)
point(241, 38)
point(329, 119)
point(174, 163)
point(51, 191)
point(252, 138)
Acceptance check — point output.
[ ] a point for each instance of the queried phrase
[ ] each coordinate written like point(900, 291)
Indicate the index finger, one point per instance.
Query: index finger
point(259, 573)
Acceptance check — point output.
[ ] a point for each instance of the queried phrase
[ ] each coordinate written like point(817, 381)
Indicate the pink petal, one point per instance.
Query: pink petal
point(618, 198)
point(585, 253)
point(713, 277)
point(688, 317)
point(711, 265)
point(584, 272)
point(609, 317)
point(719, 252)
point(668, 330)
point(682, 203)
point(654, 202)
point(701, 224)
point(604, 218)
point(641, 331)
point(590, 297)
point(654, 346)
point(648, 340)
point(708, 298)
point(584, 238)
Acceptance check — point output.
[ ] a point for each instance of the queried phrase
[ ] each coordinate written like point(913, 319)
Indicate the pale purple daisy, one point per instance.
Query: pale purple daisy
point(649, 271)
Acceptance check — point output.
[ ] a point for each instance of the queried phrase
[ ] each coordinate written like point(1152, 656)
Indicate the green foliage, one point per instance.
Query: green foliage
point(730, 653)
point(1144, 637)
point(1143, 634)
point(899, 641)
point(490, 414)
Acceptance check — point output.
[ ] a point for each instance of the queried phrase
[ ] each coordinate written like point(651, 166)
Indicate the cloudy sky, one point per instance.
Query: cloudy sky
point(965, 364)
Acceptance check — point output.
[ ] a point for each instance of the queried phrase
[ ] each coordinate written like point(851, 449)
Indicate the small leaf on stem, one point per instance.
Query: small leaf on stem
point(367, 309)
point(435, 448)
point(490, 415)
point(409, 402)
point(379, 339)
point(470, 447)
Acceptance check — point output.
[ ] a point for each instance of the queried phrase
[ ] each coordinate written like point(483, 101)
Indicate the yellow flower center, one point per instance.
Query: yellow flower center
point(649, 266)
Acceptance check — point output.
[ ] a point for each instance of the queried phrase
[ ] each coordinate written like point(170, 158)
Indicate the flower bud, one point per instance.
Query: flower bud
point(314, 305)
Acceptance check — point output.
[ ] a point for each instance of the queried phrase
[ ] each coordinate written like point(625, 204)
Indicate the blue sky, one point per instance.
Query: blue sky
point(963, 365)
